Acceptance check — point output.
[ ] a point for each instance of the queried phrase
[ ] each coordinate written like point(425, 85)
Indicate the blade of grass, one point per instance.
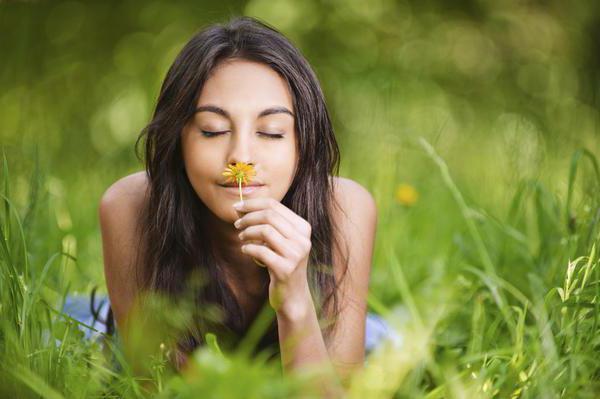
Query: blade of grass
point(474, 232)
point(21, 236)
point(5, 178)
point(579, 154)
point(33, 381)
point(257, 329)
point(404, 289)
point(377, 305)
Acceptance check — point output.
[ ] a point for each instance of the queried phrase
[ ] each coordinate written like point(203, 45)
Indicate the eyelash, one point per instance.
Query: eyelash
point(206, 133)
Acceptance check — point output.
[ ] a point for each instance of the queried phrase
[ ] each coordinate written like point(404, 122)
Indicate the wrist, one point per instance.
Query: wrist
point(297, 307)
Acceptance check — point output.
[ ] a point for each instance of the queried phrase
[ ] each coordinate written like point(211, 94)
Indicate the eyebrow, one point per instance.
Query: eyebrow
point(265, 112)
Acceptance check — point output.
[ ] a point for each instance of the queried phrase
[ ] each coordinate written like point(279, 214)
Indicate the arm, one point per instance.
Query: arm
point(356, 221)
point(286, 254)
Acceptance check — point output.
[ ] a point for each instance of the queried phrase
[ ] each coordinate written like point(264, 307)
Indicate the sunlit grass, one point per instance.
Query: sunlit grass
point(495, 317)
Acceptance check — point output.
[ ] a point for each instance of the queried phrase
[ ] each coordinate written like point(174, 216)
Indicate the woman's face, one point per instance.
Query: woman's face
point(244, 101)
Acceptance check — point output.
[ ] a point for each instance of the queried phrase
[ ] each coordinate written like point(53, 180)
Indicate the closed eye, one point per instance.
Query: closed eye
point(271, 136)
point(267, 135)
point(211, 134)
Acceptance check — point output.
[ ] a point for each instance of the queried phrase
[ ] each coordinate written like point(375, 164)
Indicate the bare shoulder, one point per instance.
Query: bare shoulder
point(353, 197)
point(354, 214)
point(127, 191)
point(119, 216)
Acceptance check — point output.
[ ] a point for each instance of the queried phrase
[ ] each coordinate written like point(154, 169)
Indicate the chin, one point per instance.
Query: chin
point(233, 215)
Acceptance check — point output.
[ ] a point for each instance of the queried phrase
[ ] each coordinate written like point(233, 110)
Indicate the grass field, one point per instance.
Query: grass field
point(475, 128)
point(510, 310)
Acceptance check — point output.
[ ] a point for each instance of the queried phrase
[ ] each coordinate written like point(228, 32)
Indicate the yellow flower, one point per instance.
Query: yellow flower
point(406, 195)
point(239, 173)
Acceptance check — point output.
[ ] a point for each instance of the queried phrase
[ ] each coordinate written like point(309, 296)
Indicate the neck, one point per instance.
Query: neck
point(227, 249)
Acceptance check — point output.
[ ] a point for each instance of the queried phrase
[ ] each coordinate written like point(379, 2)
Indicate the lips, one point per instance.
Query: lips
point(246, 190)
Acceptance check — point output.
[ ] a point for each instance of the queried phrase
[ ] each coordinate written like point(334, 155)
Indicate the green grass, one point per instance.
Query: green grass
point(511, 310)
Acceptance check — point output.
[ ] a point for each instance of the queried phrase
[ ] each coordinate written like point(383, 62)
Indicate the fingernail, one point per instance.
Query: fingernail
point(237, 223)
point(238, 205)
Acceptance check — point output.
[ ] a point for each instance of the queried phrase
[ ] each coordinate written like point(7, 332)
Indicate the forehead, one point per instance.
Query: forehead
point(245, 86)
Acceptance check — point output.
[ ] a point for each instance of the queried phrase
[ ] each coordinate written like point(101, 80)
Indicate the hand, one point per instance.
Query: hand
point(285, 253)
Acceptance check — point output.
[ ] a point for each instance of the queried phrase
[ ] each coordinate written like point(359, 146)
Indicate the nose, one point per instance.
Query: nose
point(240, 148)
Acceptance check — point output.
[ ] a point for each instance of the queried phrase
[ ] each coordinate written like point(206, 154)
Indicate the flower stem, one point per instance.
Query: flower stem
point(240, 187)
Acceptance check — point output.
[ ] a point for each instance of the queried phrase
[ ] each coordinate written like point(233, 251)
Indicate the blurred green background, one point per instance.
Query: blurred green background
point(504, 90)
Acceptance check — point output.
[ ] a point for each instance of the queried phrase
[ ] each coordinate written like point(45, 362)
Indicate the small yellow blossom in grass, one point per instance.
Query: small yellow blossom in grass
point(406, 195)
point(239, 173)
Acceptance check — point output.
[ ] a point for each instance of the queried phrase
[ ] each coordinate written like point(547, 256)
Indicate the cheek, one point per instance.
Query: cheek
point(283, 156)
point(283, 166)
point(198, 170)
point(197, 160)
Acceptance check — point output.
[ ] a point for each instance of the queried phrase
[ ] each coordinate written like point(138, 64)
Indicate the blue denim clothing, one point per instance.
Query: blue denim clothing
point(79, 307)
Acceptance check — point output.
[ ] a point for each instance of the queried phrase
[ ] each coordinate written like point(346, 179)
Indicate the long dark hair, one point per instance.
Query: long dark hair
point(175, 240)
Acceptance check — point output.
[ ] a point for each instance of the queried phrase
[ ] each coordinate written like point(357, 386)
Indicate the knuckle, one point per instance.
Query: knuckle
point(269, 231)
point(269, 213)
point(295, 255)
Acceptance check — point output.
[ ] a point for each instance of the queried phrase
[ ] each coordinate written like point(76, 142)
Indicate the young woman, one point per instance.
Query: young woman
point(241, 92)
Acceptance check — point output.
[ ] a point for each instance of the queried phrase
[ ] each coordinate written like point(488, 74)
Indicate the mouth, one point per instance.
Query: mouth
point(246, 189)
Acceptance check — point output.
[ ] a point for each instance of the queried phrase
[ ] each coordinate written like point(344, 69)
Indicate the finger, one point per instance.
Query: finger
point(275, 263)
point(255, 204)
point(268, 216)
point(273, 238)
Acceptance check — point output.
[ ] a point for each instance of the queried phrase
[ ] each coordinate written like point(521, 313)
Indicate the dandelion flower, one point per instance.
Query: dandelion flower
point(239, 173)
point(406, 195)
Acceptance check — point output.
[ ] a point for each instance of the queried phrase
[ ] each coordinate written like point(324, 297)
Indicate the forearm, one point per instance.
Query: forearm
point(302, 345)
